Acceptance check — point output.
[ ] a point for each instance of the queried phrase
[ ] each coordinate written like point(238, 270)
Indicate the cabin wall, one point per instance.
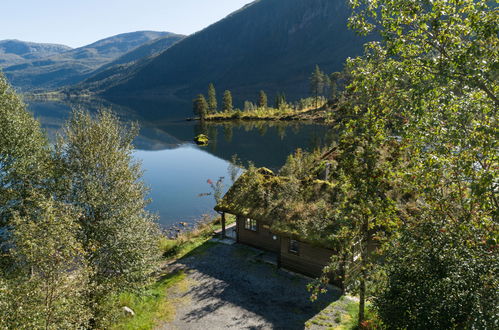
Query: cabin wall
point(310, 260)
point(261, 238)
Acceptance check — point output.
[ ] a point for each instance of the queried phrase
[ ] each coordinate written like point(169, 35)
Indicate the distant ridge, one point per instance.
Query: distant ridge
point(268, 44)
point(13, 51)
point(74, 65)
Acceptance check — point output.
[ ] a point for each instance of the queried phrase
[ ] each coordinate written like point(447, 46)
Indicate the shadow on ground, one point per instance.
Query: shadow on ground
point(232, 288)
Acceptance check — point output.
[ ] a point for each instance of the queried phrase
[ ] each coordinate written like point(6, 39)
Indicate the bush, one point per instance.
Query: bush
point(237, 114)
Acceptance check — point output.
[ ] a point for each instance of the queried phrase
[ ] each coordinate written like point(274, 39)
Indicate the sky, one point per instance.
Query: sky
point(77, 23)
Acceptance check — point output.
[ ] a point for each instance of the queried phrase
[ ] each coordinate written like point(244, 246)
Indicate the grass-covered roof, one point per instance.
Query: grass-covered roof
point(291, 206)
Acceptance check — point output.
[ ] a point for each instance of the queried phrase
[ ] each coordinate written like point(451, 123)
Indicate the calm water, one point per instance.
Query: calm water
point(177, 170)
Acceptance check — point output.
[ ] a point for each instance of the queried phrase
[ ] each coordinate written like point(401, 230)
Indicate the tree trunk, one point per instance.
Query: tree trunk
point(223, 225)
point(362, 300)
point(364, 254)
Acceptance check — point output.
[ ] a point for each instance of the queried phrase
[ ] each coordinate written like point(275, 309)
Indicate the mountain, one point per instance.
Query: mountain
point(17, 51)
point(109, 71)
point(269, 44)
point(74, 65)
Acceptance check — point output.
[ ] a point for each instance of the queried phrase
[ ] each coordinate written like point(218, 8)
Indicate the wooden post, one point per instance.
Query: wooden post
point(223, 224)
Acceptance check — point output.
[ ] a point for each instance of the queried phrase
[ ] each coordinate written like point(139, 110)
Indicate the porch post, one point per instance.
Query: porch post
point(223, 224)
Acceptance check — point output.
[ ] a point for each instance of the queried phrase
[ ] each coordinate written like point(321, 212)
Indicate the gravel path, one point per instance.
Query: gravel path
point(229, 287)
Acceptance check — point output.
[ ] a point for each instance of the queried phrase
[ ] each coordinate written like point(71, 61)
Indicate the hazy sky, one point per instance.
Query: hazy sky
point(79, 22)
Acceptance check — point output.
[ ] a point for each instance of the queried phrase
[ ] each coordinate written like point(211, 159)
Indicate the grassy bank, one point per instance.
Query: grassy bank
point(272, 114)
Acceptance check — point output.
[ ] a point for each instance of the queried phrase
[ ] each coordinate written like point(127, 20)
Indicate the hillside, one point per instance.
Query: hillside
point(17, 51)
point(73, 66)
point(269, 44)
point(108, 72)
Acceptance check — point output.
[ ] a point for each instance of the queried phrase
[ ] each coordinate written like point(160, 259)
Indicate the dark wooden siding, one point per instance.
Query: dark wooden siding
point(309, 261)
point(262, 238)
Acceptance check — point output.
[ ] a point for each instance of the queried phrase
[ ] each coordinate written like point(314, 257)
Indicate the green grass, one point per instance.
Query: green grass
point(268, 113)
point(260, 113)
point(176, 249)
point(349, 320)
point(151, 306)
point(189, 241)
point(342, 315)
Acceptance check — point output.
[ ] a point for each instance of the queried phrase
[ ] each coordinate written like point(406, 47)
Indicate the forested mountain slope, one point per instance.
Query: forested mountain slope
point(269, 44)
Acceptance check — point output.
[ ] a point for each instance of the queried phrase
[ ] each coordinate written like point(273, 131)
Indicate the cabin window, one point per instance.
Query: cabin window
point(294, 246)
point(250, 224)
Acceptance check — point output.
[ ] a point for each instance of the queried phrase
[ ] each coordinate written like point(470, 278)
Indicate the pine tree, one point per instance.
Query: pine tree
point(103, 181)
point(212, 99)
point(262, 100)
point(317, 83)
point(200, 106)
point(333, 84)
point(280, 100)
point(227, 102)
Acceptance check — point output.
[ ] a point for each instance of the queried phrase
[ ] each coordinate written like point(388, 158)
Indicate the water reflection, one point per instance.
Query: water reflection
point(176, 169)
point(263, 143)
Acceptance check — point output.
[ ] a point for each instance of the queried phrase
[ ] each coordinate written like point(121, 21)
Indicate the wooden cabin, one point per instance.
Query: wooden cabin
point(265, 227)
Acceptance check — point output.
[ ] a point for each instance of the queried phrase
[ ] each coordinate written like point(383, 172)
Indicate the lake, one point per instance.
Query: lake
point(177, 171)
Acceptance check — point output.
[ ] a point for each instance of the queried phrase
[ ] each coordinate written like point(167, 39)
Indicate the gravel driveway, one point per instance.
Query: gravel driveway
point(228, 286)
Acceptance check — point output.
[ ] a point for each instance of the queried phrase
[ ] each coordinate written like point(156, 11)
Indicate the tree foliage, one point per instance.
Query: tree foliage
point(103, 181)
point(46, 286)
point(262, 100)
point(280, 100)
point(431, 82)
point(212, 99)
point(440, 275)
point(200, 106)
point(418, 147)
point(318, 81)
point(227, 101)
point(24, 153)
point(74, 230)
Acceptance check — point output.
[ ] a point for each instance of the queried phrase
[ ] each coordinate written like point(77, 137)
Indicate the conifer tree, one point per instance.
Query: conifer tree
point(280, 100)
point(227, 102)
point(200, 106)
point(262, 100)
point(333, 84)
point(317, 83)
point(212, 99)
